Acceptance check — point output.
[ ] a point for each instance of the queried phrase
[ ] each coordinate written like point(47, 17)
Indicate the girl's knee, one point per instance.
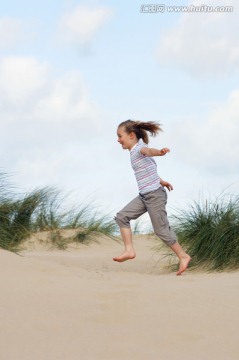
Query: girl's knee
point(122, 220)
point(167, 236)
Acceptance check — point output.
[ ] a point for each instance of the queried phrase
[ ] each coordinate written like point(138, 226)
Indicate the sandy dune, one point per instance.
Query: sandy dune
point(79, 304)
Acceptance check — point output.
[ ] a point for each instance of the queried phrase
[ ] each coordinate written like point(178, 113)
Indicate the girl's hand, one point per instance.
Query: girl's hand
point(166, 184)
point(164, 151)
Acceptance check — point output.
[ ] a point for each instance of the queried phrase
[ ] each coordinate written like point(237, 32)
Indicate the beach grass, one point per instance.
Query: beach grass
point(22, 215)
point(209, 231)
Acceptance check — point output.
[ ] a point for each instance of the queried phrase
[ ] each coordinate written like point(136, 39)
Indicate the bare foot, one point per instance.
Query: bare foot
point(127, 255)
point(183, 264)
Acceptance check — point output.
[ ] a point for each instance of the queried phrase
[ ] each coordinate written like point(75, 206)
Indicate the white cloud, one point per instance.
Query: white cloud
point(28, 89)
point(80, 25)
point(12, 32)
point(203, 43)
point(67, 99)
point(212, 144)
point(45, 121)
point(21, 78)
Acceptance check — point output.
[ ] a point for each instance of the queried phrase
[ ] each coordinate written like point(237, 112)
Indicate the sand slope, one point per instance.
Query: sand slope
point(79, 304)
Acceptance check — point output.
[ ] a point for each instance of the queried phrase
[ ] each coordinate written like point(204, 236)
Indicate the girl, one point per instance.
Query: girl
point(133, 136)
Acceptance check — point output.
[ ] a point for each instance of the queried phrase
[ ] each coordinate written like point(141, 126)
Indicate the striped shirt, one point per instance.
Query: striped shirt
point(145, 169)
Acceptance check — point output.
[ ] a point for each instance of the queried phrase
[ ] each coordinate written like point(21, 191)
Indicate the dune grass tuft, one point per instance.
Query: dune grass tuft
point(42, 210)
point(209, 231)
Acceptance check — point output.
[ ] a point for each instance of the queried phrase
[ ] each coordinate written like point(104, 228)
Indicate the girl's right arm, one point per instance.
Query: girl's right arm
point(154, 152)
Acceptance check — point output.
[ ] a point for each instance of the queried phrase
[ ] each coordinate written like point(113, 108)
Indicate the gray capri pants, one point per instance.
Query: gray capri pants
point(154, 203)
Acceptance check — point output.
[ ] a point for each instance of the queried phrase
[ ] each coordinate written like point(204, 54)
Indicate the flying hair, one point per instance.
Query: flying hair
point(141, 128)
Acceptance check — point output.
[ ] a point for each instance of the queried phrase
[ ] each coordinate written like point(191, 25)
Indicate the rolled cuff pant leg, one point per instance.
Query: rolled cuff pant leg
point(131, 211)
point(155, 203)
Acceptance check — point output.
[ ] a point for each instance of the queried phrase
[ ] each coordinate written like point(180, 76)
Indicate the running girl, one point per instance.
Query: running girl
point(152, 198)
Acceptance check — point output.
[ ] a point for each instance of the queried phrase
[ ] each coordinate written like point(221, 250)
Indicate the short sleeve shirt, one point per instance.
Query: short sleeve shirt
point(145, 169)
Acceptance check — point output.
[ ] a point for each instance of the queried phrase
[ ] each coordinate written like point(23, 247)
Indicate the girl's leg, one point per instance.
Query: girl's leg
point(129, 252)
point(156, 207)
point(184, 258)
point(130, 212)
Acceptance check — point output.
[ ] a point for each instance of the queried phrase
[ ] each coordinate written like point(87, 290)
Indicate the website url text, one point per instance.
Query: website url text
point(161, 8)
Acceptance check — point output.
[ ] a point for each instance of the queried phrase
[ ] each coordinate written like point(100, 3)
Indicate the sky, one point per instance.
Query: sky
point(71, 71)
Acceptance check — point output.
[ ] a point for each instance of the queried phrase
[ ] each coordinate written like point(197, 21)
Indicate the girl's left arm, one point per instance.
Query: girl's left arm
point(154, 152)
point(166, 184)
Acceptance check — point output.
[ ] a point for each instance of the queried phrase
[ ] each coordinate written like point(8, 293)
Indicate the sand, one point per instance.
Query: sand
point(79, 304)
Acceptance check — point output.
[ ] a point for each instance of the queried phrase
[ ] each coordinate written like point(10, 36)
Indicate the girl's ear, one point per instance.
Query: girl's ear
point(132, 135)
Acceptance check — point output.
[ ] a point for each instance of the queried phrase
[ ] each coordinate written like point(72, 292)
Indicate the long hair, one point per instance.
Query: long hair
point(140, 128)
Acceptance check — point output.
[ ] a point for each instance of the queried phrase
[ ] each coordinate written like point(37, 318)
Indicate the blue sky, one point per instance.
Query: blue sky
point(71, 71)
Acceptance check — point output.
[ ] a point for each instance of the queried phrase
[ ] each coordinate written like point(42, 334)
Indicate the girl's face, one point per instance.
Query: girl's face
point(126, 140)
